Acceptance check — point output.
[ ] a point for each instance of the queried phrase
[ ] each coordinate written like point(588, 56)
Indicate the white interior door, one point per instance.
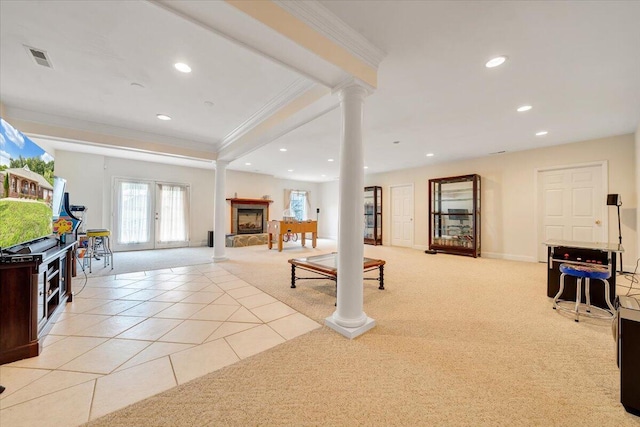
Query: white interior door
point(402, 215)
point(572, 205)
point(150, 215)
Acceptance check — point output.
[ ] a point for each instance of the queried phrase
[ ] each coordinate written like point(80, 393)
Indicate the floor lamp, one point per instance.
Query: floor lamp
point(615, 200)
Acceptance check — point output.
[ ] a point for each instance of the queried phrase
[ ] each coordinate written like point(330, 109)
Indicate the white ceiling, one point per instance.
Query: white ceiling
point(576, 63)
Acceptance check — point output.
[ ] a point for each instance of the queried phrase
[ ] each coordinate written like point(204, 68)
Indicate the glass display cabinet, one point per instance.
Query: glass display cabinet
point(373, 215)
point(454, 215)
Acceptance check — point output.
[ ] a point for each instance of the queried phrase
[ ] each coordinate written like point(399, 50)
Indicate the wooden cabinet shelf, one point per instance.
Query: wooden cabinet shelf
point(454, 215)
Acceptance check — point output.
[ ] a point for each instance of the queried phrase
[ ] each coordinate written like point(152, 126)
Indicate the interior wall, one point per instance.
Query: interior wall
point(253, 186)
point(637, 160)
point(328, 219)
point(85, 182)
point(90, 180)
point(508, 199)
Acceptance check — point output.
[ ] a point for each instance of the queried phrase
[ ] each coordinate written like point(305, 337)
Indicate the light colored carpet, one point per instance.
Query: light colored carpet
point(458, 341)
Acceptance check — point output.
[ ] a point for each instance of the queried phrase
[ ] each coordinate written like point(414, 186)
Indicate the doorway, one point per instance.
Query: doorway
point(402, 215)
point(572, 205)
point(150, 215)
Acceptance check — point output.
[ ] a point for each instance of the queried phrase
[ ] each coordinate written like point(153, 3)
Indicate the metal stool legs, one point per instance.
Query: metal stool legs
point(99, 245)
point(607, 314)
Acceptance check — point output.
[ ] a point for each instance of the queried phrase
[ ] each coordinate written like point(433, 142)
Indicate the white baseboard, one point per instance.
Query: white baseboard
point(508, 257)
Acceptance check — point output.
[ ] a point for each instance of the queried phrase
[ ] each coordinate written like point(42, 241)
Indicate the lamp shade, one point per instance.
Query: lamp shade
point(613, 200)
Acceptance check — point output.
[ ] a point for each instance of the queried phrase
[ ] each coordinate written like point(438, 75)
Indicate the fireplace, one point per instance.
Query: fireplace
point(249, 216)
point(249, 221)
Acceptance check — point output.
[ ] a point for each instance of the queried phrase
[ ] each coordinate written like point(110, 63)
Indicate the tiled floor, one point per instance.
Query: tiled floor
point(142, 333)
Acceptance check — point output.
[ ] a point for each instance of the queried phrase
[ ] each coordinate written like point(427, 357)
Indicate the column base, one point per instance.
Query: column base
point(219, 258)
point(350, 332)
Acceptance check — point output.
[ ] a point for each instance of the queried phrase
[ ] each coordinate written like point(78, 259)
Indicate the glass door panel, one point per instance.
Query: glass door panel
point(134, 215)
point(172, 215)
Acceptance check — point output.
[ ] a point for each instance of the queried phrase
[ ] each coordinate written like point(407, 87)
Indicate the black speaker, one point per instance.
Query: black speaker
point(210, 239)
point(613, 200)
point(628, 352)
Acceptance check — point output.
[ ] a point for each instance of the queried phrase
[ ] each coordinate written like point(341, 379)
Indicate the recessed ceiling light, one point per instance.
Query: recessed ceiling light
point(396, 142)
point(430, 154)
point(524, 108)
point(329, 160)
point(494, 62)
point(182, 67)
point(542, 133)
point(134, 84)
point(323, 175)
point(208, 103)
point(247, 164)
point(163, 117)
point(289, 170)
point(283, 149)
point(366, 167)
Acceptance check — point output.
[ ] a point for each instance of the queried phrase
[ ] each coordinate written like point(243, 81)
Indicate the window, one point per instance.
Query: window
point(298, 204)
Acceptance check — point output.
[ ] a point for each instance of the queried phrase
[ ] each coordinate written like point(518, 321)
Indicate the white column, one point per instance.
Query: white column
point(220, 212)
point(349, 319)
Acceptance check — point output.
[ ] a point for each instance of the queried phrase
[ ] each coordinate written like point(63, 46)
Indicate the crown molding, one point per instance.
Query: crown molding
point(289, 94)
point(325, 22)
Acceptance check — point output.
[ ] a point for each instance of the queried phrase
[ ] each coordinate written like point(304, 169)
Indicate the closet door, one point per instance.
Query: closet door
point(572, 205)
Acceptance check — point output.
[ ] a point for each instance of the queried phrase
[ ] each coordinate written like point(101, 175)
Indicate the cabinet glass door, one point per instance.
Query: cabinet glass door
point(373, 215)
point(378, 215)
point(455, 211)
point(369, 212)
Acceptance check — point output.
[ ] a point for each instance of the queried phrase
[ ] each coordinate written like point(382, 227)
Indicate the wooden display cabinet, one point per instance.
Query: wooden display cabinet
point(373, 215)
point(454, 215)
point(33, 292)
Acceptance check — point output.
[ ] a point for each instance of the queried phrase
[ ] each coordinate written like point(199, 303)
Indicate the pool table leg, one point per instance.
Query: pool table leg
point(381, 277)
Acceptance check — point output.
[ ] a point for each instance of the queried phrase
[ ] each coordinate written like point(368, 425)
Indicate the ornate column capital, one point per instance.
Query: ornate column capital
point(222, 163)
point(353, 86)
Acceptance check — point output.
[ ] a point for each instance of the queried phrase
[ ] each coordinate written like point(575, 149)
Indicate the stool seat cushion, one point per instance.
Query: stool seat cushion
point(584, 271)
point(102, 232)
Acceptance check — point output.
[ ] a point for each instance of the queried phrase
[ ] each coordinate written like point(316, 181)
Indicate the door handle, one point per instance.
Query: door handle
point(598, 222)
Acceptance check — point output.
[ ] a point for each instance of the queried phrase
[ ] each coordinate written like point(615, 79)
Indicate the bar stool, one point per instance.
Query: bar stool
point(586, 272)
point(99, 245)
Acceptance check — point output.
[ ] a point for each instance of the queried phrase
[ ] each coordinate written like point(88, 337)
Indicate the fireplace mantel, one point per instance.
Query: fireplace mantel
point(235, 201)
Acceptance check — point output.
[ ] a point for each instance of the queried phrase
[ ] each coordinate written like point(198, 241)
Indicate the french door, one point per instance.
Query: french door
point(150, 215)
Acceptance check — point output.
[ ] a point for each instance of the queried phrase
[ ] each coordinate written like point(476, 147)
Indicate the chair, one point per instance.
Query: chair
point(99, 245)
point(586, 272)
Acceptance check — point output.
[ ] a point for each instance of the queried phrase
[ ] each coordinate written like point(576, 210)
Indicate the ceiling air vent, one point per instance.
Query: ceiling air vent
point(40, 56)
